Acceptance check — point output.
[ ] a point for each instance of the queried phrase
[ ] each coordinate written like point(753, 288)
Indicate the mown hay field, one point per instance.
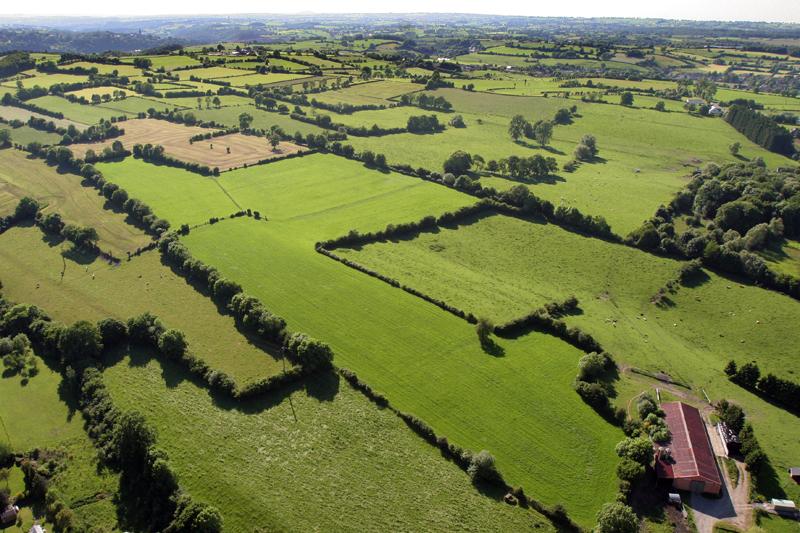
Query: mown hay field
point(502, 267)
point(64, 193)
point(223, 152)
point(81, 288)
point(319, 442)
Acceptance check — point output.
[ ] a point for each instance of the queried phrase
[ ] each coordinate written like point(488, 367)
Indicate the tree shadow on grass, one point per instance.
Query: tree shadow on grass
point(323, 386)
point(80, 256)
point(491, 347)
point(269, 348)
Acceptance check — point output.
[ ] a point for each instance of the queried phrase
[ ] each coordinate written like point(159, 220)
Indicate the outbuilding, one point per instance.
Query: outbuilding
point(784, 507)
point(729, 439)
point(688, 459)
point(794, 473)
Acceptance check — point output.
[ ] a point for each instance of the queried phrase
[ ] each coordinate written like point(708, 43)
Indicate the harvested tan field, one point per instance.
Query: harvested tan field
point(225, 152)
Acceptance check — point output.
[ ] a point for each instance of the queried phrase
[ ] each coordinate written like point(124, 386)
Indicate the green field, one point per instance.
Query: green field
point(64, 194)
point(502, 267)
point(265, 79)
point(427, 362)
point(167, 62)
point(45, 80)
point(120, 70)
point(644, 154)
point(180, 196)
point(229, 116)
point(42, 414)
point(25, 135)
point(32, 270)
point(373, 93)
point(83, 113)
point(133, 105)
point(323, 443)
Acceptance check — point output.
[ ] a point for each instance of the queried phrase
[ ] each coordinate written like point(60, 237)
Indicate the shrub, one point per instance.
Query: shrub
point(616, 517)
point(112, 331)
point(482, 468)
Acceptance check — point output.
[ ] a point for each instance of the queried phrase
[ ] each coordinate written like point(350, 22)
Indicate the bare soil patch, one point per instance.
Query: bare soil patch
point(224, 152)
point(17, 113)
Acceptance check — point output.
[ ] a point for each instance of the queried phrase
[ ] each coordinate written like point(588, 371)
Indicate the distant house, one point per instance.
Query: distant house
point(729, 439)
point(9, 515)
point(695, 101)
point(37, 529)
point(715, 111)
point(796, 133)
point(794, 473)
point(688, 459)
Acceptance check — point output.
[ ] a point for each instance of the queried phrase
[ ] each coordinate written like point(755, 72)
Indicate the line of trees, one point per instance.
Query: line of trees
point(771, 387)
point(11, 100)
point(156, 154)
point(755, 458)
point(425, 101)
point(761, 129)
point(151, 497)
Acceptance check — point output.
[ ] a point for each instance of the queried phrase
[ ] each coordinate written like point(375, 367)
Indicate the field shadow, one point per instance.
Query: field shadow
point(271, 349)
point(491, 347)
point(323, 386)
point(173, 374)
point(697, 279)
point(80, 256)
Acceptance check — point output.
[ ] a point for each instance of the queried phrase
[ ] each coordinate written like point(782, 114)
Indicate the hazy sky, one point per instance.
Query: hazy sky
point(765, 10)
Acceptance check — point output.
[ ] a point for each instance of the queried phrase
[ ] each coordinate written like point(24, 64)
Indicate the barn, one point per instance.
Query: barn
point(688, 459)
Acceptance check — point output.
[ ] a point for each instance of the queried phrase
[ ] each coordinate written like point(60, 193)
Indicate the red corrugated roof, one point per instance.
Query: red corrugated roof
point(690, 449)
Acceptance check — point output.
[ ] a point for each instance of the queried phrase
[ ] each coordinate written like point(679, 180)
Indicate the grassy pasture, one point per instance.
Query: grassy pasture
point(90, 290)
point(180, 196)
point(662, 146)
point(784, 258)
point(64, 194)
point(209, 73)
point(375, 93)
point(325, 443)
point(190, 102)
point(770, 101)
point(225, 152)
point(501, 267)
point(121, 70)
point(83, 113)
point(41, 413)
point(133, 105)
point(266, 79)
point(427, 362)
point(25, 135)
point(45, 80)
point(168, 62)
point(229, 116)
point(89, 91)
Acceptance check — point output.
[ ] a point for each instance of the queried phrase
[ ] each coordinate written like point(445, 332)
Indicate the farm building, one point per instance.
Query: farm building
point(794, 473)
point(729, 439)
point(36, 528)
point(695, 101)
point(784, 507)
point(688, 459)
point(716, 111)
